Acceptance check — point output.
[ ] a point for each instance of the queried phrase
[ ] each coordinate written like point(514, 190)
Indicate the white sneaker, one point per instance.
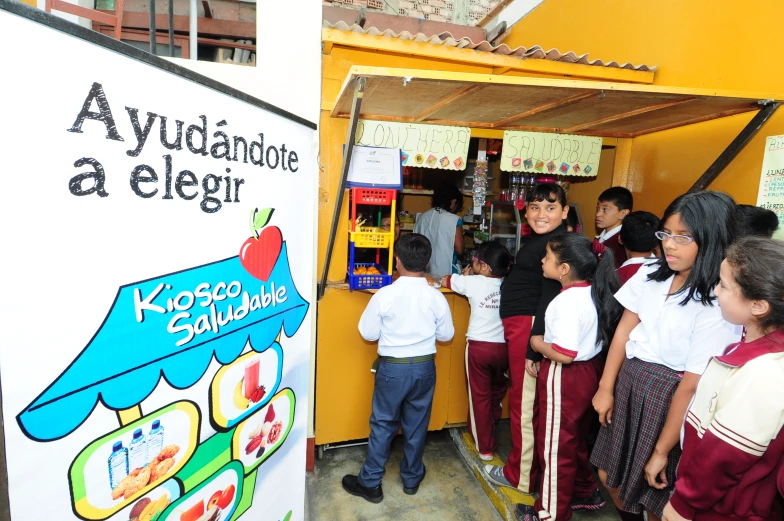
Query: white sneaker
point(486, 457)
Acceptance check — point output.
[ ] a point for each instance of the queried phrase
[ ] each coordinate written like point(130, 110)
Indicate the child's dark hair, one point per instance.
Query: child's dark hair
point(496, 256)
point(758, 267)
point(710, 218)
point(755, 221)
point(550, 192)
point(413, 250)
point(444, 195)
point(638, 233)
point(577, 251)
point(572, 221)
point(619, 196)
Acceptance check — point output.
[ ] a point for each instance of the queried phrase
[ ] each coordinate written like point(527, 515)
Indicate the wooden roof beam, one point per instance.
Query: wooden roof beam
point(547, 107)
point(624, 115)
point(461, 93)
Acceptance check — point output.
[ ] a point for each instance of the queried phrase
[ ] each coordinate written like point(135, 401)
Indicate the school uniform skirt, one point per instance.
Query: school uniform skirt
point(643, 394)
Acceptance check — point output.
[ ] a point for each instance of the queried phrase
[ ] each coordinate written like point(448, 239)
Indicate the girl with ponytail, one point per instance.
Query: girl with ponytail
point(579, 326)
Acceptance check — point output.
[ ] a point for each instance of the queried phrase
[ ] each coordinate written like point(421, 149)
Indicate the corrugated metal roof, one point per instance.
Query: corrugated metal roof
point(446, 39)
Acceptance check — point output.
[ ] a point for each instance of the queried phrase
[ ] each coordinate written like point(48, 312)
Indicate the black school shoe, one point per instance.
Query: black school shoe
point(593, 502)
point(352, 486)
point(526, 513)
point(413, 490)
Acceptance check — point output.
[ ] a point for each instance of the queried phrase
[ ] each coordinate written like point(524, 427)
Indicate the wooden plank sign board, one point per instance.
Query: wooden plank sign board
point(426, 146)
point(771, 187)
point(553, 154)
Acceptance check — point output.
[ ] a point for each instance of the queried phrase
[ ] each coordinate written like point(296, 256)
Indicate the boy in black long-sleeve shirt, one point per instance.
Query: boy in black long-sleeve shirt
point(526, 294)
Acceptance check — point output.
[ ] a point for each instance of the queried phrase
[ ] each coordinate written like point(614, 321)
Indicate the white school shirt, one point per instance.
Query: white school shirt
point(683, 338)
point(606, 235)
point(484, 295)
point(407, 317)
point(638, 260)
point(571, 323)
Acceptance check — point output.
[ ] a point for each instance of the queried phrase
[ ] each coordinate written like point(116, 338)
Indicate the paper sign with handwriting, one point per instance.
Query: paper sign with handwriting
point(427, 146)
point(544, 153)
point(771, 187)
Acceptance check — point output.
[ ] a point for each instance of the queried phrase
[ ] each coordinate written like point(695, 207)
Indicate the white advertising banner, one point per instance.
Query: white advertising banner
point(157, 269)
point(771, 187)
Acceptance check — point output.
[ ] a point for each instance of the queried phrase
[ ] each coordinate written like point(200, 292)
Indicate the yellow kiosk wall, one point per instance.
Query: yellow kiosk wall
point(700, 43)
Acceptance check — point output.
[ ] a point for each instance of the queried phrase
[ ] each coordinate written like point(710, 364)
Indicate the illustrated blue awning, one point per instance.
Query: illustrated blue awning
point(168, 327)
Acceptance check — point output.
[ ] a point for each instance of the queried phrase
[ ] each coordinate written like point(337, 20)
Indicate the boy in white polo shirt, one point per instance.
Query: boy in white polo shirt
point(406, 317)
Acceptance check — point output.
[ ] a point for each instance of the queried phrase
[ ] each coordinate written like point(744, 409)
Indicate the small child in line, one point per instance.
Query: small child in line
point(579, 324)
point(733, 440)
point(613, 205)
point(487, 358)
point(753, 220)
point(638, 238)
point(406, 317)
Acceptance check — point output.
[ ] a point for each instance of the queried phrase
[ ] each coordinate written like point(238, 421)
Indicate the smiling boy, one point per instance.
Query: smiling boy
point(614, 204)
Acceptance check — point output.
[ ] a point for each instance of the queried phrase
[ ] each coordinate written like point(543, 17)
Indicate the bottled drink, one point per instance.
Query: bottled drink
point(137, 452)
point(155, 440)
point(118, 464)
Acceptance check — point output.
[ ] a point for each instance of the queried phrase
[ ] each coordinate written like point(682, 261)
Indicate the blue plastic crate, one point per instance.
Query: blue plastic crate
point(368, 281)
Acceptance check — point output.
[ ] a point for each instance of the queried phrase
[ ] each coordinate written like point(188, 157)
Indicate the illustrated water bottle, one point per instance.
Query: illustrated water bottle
point(137, 452)
point(118, 464)
point(155, 440)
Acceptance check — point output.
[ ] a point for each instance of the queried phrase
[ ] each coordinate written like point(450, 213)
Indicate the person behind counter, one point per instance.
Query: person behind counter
point(524, 295)
point(444, 229)
point(406, 375)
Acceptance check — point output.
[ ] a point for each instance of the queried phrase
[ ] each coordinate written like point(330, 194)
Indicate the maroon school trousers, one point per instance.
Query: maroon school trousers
point(565, 392)
point(522, 466)
point(486, 363)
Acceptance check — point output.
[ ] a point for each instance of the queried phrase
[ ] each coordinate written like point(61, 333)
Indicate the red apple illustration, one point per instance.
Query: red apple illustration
point(259, 253)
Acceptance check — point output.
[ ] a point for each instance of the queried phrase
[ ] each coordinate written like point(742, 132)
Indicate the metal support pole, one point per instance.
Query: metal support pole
point(171, 28)
point(734, 148)
point(359, 90)
point(193, 34)
point(153, 42)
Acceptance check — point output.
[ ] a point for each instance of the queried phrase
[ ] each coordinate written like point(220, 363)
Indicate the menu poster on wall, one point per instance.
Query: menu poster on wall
point(771, 187)
point(154, 356)
point(550, 154)
point(426, 146)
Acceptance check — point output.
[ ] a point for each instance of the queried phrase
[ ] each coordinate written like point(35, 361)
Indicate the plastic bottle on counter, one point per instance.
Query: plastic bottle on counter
point(137, 451)
point(155, 440)
point(118, 464)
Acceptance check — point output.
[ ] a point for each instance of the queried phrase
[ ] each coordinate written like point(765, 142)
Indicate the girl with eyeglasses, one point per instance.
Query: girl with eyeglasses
point(669, 330)
point(486, 356)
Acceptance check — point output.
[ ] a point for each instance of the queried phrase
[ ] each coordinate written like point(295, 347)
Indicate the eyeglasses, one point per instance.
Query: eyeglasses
point(679, 239)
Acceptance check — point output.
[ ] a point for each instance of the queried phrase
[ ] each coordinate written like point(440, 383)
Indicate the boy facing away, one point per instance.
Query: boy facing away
point(407, 318)
point(638, 238)
point(613, 205)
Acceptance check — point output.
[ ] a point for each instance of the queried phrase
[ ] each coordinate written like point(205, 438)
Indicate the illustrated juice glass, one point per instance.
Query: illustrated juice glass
point(251, 377)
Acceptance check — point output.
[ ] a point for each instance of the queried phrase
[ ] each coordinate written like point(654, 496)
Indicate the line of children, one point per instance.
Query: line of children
point(670, 329)
point(486, 356)
point(579, 324)
point(406, 318)
point(733, 439)
point(613, 205)
point(525, 295)
point(638, 238)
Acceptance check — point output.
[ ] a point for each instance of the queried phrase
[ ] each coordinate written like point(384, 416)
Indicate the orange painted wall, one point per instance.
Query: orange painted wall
point(697, 43)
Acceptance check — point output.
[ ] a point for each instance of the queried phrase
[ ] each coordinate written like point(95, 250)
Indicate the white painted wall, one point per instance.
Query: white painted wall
point(513, 13)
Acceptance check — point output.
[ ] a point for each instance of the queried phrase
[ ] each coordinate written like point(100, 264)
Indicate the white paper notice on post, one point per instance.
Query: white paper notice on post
point(375, 167)
point(771, 187)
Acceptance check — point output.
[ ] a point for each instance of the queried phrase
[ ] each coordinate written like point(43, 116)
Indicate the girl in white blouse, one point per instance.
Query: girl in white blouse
point(670, 329)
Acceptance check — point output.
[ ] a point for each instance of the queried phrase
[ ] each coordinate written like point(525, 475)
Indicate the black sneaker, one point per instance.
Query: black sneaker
point(526, 513)
point(352, 486)
point(413, 490)
point(593, 502)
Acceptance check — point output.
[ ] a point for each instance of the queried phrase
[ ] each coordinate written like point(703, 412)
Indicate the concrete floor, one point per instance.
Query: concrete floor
point(455, 488)
point(449, 490)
